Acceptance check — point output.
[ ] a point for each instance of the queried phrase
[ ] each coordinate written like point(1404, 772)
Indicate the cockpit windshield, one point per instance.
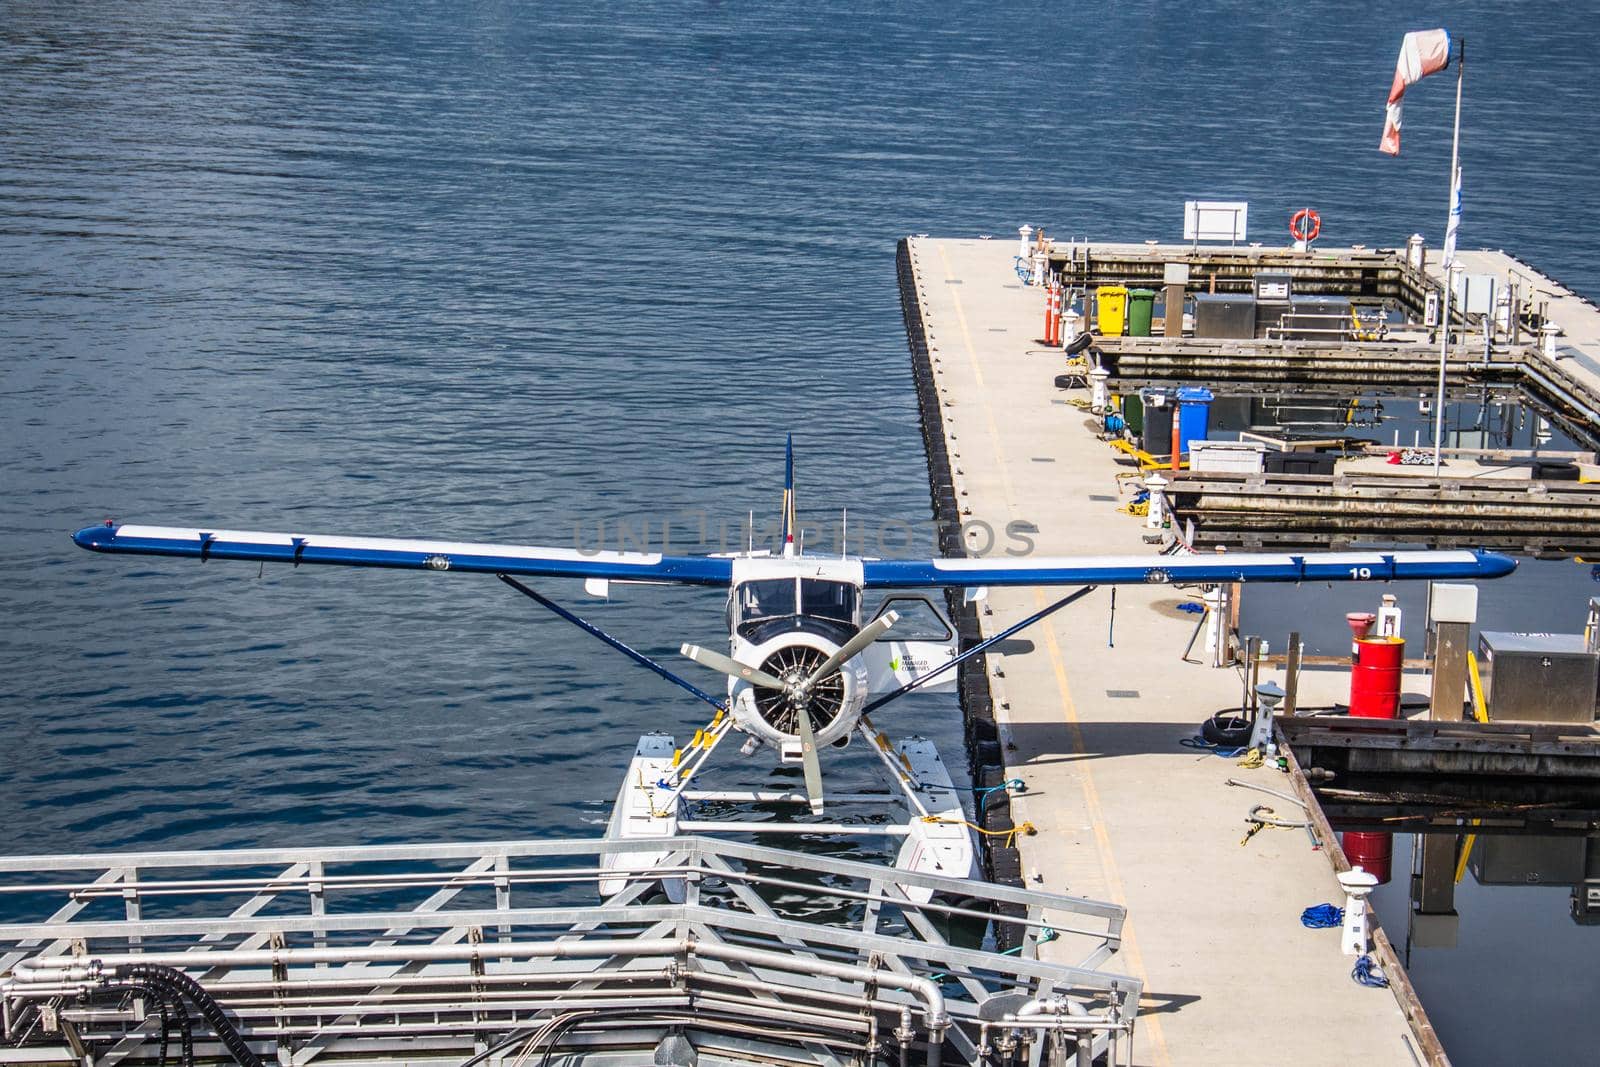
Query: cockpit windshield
point(775, 598)
point(766, 598)
point(828, 600)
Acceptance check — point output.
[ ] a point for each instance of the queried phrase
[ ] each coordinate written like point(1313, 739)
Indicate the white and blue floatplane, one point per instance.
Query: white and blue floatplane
point(807, 664)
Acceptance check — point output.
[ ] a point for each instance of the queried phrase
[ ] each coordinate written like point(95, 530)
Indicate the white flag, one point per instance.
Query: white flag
point(1455, 220)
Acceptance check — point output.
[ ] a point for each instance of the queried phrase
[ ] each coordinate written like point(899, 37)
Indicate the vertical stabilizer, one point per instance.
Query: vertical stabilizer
point(789, 524)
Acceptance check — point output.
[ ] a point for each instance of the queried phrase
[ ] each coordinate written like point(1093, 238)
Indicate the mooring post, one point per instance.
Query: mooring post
point(1291, 674)
point(1156, 510)
point(1357, 884)
point(1452, 609)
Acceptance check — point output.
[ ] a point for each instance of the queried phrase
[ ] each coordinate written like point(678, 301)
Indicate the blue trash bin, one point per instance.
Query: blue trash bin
point(1194, 414)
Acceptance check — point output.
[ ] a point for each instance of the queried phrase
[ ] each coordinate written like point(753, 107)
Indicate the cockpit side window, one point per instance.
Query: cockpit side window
point(766, 598)
point(828, 600)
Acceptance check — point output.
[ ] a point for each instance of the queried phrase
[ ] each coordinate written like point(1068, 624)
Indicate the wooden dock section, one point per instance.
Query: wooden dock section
point(1092, 708)
point(1565, 380)
point(1298, 510)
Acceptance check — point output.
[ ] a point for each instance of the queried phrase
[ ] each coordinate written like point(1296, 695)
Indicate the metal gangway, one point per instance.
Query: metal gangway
point(502, 954)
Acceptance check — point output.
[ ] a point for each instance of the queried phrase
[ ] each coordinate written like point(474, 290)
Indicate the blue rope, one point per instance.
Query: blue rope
point(1321, 916)
point(1367, 973)
point(1010, 783)
point(1203, 745)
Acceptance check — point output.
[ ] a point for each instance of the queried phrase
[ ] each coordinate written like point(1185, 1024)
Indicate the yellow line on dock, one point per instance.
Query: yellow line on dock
point(1091, 795)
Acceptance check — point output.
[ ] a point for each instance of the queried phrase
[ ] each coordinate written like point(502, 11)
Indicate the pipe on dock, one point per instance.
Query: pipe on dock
point(58, 969)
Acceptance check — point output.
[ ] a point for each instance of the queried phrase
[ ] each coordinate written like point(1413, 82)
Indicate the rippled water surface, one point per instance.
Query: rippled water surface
point(495, 271)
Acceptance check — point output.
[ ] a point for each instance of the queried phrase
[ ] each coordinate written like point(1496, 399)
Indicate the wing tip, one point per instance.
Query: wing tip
point(95, 538)
point(1495, 564)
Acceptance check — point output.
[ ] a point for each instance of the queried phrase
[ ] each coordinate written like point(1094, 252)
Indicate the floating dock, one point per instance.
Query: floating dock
point(1533, 336)
point(1519, 515)
point(1091, 709)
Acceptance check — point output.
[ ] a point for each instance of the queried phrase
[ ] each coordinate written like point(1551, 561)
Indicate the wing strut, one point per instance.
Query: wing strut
point(590, 628)
point(978, 648)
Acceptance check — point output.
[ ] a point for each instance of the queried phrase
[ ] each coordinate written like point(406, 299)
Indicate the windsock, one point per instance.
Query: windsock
point(1422, 53)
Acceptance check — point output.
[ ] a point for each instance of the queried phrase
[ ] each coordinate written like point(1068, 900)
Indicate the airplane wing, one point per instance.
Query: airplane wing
point(1373, 565)
point(404, 554)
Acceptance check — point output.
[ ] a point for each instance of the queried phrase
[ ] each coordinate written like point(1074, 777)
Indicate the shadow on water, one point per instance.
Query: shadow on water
point(1505, 903)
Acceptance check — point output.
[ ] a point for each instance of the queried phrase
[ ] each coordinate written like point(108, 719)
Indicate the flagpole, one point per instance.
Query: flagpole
point(1444, 326)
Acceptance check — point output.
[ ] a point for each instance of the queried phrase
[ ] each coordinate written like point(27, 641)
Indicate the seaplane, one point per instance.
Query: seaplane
point(808, 663)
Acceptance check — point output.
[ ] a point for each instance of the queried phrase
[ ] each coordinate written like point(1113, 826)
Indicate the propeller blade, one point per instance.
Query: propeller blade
point(808, 758)
point(732, 667)
point(869, 633)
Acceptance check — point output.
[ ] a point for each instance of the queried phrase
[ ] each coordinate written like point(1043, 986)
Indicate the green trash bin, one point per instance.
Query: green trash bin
point(1133, 414)
point(1141, 305)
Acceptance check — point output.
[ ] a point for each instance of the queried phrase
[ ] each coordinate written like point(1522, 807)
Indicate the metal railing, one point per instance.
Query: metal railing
point(339, 954)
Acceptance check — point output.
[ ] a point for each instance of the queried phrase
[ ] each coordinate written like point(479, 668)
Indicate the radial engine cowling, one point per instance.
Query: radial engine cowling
point(834, 702)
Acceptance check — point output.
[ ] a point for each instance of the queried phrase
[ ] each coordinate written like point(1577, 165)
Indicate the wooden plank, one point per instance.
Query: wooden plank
point(1405, 994)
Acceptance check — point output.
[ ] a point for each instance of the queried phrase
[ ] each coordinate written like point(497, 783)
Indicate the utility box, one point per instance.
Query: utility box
point(1517, 859)
point(1538, 677)
point(1274, 292)
point(1317, 318)
point(1224, 315)
point(1274, 287)
point(1227, 457)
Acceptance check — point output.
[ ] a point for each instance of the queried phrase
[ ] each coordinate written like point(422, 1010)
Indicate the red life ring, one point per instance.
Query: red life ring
point(1305, 225)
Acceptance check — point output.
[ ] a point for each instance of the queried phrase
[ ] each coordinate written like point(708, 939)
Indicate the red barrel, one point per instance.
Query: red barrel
point(1373, 853)
point(1375, 678)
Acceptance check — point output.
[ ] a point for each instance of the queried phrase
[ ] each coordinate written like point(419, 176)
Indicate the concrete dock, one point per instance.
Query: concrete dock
point(1123, 811)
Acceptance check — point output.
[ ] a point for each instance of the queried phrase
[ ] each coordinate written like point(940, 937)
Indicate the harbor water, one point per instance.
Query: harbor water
point(550, 273)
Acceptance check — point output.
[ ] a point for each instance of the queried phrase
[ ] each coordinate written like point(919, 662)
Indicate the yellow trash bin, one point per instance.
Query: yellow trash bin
point(1111, 307)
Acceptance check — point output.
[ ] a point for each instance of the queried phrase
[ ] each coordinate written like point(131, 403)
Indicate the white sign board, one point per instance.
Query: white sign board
point(1474, 293)
point(1214, 220)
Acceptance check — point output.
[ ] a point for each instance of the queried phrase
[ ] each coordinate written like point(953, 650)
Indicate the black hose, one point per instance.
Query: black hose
point(178, 985)
point(174, 1016)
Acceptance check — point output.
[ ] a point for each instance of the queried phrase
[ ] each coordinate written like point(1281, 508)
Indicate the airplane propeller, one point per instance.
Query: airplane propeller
point(732, 667)
point(851, 648)
point(799, 693)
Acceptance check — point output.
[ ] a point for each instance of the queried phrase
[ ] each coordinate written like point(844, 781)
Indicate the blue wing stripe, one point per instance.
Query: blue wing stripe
point(407, 555)
point(1242, 567)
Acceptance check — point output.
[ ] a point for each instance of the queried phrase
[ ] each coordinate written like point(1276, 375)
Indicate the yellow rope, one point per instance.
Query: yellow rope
point(1010, 835)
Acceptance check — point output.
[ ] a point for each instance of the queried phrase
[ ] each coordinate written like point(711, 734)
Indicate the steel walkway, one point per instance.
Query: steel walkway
point(439, 953)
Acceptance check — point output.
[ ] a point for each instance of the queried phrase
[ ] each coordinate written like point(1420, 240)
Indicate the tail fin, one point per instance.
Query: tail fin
point(789, 523)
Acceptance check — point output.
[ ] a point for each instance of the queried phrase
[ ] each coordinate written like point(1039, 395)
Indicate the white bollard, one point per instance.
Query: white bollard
point(1357, 885)
point(1269, 695)
point(1216, 601)
point(1099, 392)
point(1547, 340)
point(1023, 244)
point(1156, 517)
point(1416, 251)
point(1040, 261)
point(1071, 323)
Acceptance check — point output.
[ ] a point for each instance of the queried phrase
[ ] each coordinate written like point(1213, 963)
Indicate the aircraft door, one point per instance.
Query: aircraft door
point(921, 642)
